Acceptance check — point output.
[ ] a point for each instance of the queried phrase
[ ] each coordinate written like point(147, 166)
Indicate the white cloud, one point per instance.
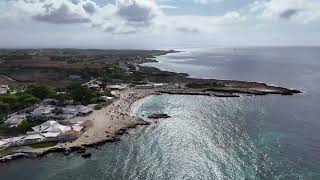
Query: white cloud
point(123, 17)
point(207, 1)
point(300, 11)
point(141, 21)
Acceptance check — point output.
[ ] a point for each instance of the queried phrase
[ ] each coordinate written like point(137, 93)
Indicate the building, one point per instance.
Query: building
point(14, 141)
point(106, 98)
point(15, 120)
point(93, 84)
point(3, 144)
point(158, 85)
point(51, 136)
point(84, 110)
point(144, 86)
point(115, 93)
point(75, 77)
point(32, 139)
point(43, 111)
point(4, 89)
point(51, 126)
point(50, 101)
point(50, 131)
point(70, 110)
point(117, 87)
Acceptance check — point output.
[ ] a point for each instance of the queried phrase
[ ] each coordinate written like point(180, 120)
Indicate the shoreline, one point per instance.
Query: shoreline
point(115, 119)
point(110, 123)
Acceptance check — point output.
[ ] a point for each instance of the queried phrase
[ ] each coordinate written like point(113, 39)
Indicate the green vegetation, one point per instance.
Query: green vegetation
point(81, 94)
point(14, 102)
point(23, 99)
point(43, 145)
point(24, 127)
point(35, 93)
point(30, 122)
point(40, 91)
point(107, 73)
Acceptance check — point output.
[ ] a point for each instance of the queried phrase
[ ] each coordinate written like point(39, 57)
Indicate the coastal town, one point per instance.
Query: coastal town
point(89, 104)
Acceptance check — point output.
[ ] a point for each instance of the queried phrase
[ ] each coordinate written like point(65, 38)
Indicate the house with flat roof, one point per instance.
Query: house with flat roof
point(50, 126)
point(15, 120)
point(43, 111)
point(117, 87)
point(84, 110)
point(4, 89)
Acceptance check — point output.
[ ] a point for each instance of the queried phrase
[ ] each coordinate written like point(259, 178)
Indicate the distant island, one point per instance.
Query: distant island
point(64, 100)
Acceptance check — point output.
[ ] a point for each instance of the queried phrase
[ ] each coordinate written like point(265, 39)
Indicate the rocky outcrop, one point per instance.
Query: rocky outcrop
point(86, 155)
point(158, 116)
point(14, 157)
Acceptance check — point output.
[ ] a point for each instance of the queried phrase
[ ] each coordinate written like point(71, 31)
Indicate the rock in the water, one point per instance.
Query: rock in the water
point(158, 116)
point(86, 155)
point(78, 149)
point(121, 131)
point(67, 152)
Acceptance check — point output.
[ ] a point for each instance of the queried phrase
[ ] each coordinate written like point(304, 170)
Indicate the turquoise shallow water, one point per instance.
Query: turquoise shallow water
point(269, 137)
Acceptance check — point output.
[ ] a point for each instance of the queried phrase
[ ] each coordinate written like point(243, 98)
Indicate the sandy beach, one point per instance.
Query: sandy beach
point(108, 123)
point(112, 118)
point(116, 118)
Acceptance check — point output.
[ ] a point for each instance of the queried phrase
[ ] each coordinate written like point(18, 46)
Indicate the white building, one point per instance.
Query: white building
point(84, 110)
point(44, 111)
point(158, 84)
point(4, 89)
point(106, 98)
point(93, 84)
point(15, 120)
point(117, 86)
point(14, 141)
point(51, 126)
point(3, 144)
point(50, 131)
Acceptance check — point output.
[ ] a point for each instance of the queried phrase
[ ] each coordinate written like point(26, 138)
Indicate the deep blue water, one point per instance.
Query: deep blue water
point(267, 137)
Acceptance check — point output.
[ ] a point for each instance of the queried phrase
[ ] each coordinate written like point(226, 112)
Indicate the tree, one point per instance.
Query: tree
point(81, 93)
point(4, 110)
point(24, 126)
point(40, 91)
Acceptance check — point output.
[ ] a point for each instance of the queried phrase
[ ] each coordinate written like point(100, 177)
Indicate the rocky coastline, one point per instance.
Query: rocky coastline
point(82, 150)
point(116, 119)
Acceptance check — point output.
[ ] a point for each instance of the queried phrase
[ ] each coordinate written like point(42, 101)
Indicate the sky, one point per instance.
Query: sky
point(158, 24)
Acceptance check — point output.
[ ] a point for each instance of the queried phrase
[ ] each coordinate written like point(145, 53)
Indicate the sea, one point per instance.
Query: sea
point(251, 137)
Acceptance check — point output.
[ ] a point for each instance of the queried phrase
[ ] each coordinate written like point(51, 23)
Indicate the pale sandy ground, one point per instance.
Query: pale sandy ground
point(107, 121)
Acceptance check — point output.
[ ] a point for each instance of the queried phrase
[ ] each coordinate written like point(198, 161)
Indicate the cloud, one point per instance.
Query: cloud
point(299, 11)
point(188, 29)
point(123, 16)
point(90, 7)
point(164, 6)
point(61, 15)
point(137, 11)
point(287, 14)
point(207, 1)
